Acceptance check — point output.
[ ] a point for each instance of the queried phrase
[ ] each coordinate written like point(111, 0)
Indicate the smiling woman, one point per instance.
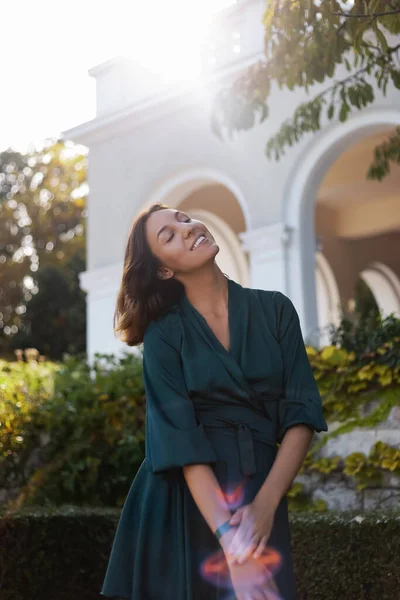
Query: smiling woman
point(226, 376)
point(172, 234)
point(160, 249)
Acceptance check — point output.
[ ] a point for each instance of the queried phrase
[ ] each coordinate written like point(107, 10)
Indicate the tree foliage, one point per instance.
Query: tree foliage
point(42, 226)
point(305, 41)
point(55, 318)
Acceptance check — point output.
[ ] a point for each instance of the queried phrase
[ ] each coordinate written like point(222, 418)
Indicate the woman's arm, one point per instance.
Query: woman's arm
point(174, 438)
point(299, 414)
point(288, 461)
point(256, 519)
point(249, 579)
point(208, 496)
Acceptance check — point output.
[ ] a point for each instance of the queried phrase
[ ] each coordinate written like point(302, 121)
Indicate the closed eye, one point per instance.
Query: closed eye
point(187, 220)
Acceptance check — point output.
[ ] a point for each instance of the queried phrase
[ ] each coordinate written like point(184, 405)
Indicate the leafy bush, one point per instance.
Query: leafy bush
point(361, 364)
point(83, 432)
point(370, 337)
point(24, 388)
point(74, 433)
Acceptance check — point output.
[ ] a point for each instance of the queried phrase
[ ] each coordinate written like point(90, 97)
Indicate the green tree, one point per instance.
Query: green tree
point(55, 318)
point(42, 226)
point(305, 40)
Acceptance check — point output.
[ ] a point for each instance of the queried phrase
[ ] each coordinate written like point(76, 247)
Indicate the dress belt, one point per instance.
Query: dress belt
point(245, 442)
point(246, 449)
point(244, 435)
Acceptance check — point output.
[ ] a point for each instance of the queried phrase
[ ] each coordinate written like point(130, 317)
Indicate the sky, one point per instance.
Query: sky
point(47, 48)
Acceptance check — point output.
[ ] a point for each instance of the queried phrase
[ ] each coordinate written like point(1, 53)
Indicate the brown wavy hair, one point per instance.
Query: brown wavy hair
point(142, 296)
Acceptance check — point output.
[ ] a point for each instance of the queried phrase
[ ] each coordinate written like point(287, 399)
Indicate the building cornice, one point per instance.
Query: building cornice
point(154, 107)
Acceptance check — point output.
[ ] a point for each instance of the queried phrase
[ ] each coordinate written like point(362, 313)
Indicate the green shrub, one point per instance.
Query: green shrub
point(63, 554)
point(367, 337)
point(88, 425)
point(24, 388)
point(74, 433)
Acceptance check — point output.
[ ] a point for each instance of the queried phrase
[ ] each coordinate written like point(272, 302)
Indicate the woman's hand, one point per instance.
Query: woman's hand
point(252, 581)
point(255, 523)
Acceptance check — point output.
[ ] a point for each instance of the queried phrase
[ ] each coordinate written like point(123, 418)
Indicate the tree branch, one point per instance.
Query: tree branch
point(354, 75)
point(370, 16)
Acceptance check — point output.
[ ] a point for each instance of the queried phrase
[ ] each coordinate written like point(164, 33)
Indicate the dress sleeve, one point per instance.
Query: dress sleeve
point(174, 438)
point(302, 402)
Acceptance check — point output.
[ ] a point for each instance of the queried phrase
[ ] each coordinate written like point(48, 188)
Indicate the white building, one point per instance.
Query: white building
point(310, 225)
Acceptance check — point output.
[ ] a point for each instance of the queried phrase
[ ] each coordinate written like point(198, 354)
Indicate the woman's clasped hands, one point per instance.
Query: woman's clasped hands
point(254, 523)
point(244, 547)
point(251, 579)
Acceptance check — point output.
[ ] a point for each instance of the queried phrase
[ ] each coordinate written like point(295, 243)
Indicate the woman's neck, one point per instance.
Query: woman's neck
point(207, 291)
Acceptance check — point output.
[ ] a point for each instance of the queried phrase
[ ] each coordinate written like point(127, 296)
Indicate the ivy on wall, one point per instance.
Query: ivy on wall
point(355, 394)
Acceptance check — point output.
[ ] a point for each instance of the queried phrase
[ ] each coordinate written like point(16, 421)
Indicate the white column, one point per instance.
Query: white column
point(301, 265)
point(267, 247)
point(102, 287)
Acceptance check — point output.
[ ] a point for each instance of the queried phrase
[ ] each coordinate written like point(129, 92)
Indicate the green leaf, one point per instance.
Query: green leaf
point(381, 39)
point(395, 75)
point(354, 97)
point(331, 111)
point(358, 38)
point(344, 110)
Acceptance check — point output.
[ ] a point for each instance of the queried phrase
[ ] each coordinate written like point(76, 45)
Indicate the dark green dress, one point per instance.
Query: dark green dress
point(226, 409)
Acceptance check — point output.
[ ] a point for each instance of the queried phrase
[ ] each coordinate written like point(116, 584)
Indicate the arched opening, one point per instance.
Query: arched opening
point(328, 298)
point(385, 288)
point(332, 207)
point(364, 303)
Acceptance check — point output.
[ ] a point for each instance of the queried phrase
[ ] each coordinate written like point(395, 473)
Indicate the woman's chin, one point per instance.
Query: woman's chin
point(207, 256)
point(213, 250)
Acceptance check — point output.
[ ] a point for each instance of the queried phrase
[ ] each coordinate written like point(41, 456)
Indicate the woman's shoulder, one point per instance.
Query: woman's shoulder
point(276, 307)
point(271, 300)
point(166, 327)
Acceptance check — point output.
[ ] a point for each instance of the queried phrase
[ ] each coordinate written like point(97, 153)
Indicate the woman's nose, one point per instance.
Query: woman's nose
point(188, 229)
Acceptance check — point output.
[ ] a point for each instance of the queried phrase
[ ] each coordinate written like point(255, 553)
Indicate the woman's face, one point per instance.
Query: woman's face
point(180, 243)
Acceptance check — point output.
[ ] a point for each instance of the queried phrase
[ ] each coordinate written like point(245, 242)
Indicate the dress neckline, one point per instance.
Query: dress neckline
point(186, 304)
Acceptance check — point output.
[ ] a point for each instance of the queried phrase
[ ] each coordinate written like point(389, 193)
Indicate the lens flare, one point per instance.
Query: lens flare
point(215, 570)
point(232, 498)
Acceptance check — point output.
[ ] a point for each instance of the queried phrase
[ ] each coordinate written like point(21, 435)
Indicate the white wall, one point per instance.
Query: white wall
point(138, 149)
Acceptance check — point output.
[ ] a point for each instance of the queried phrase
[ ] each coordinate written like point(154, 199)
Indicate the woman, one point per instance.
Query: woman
point(227, 377)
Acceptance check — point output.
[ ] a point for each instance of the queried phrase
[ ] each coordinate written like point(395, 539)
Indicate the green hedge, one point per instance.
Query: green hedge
point(62, 554)
point(337, 556)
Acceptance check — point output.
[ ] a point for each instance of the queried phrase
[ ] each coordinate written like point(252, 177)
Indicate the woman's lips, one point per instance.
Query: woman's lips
point(196, 245)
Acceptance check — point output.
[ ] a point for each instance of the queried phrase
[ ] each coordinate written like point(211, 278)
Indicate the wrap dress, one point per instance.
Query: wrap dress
point(227, 409)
